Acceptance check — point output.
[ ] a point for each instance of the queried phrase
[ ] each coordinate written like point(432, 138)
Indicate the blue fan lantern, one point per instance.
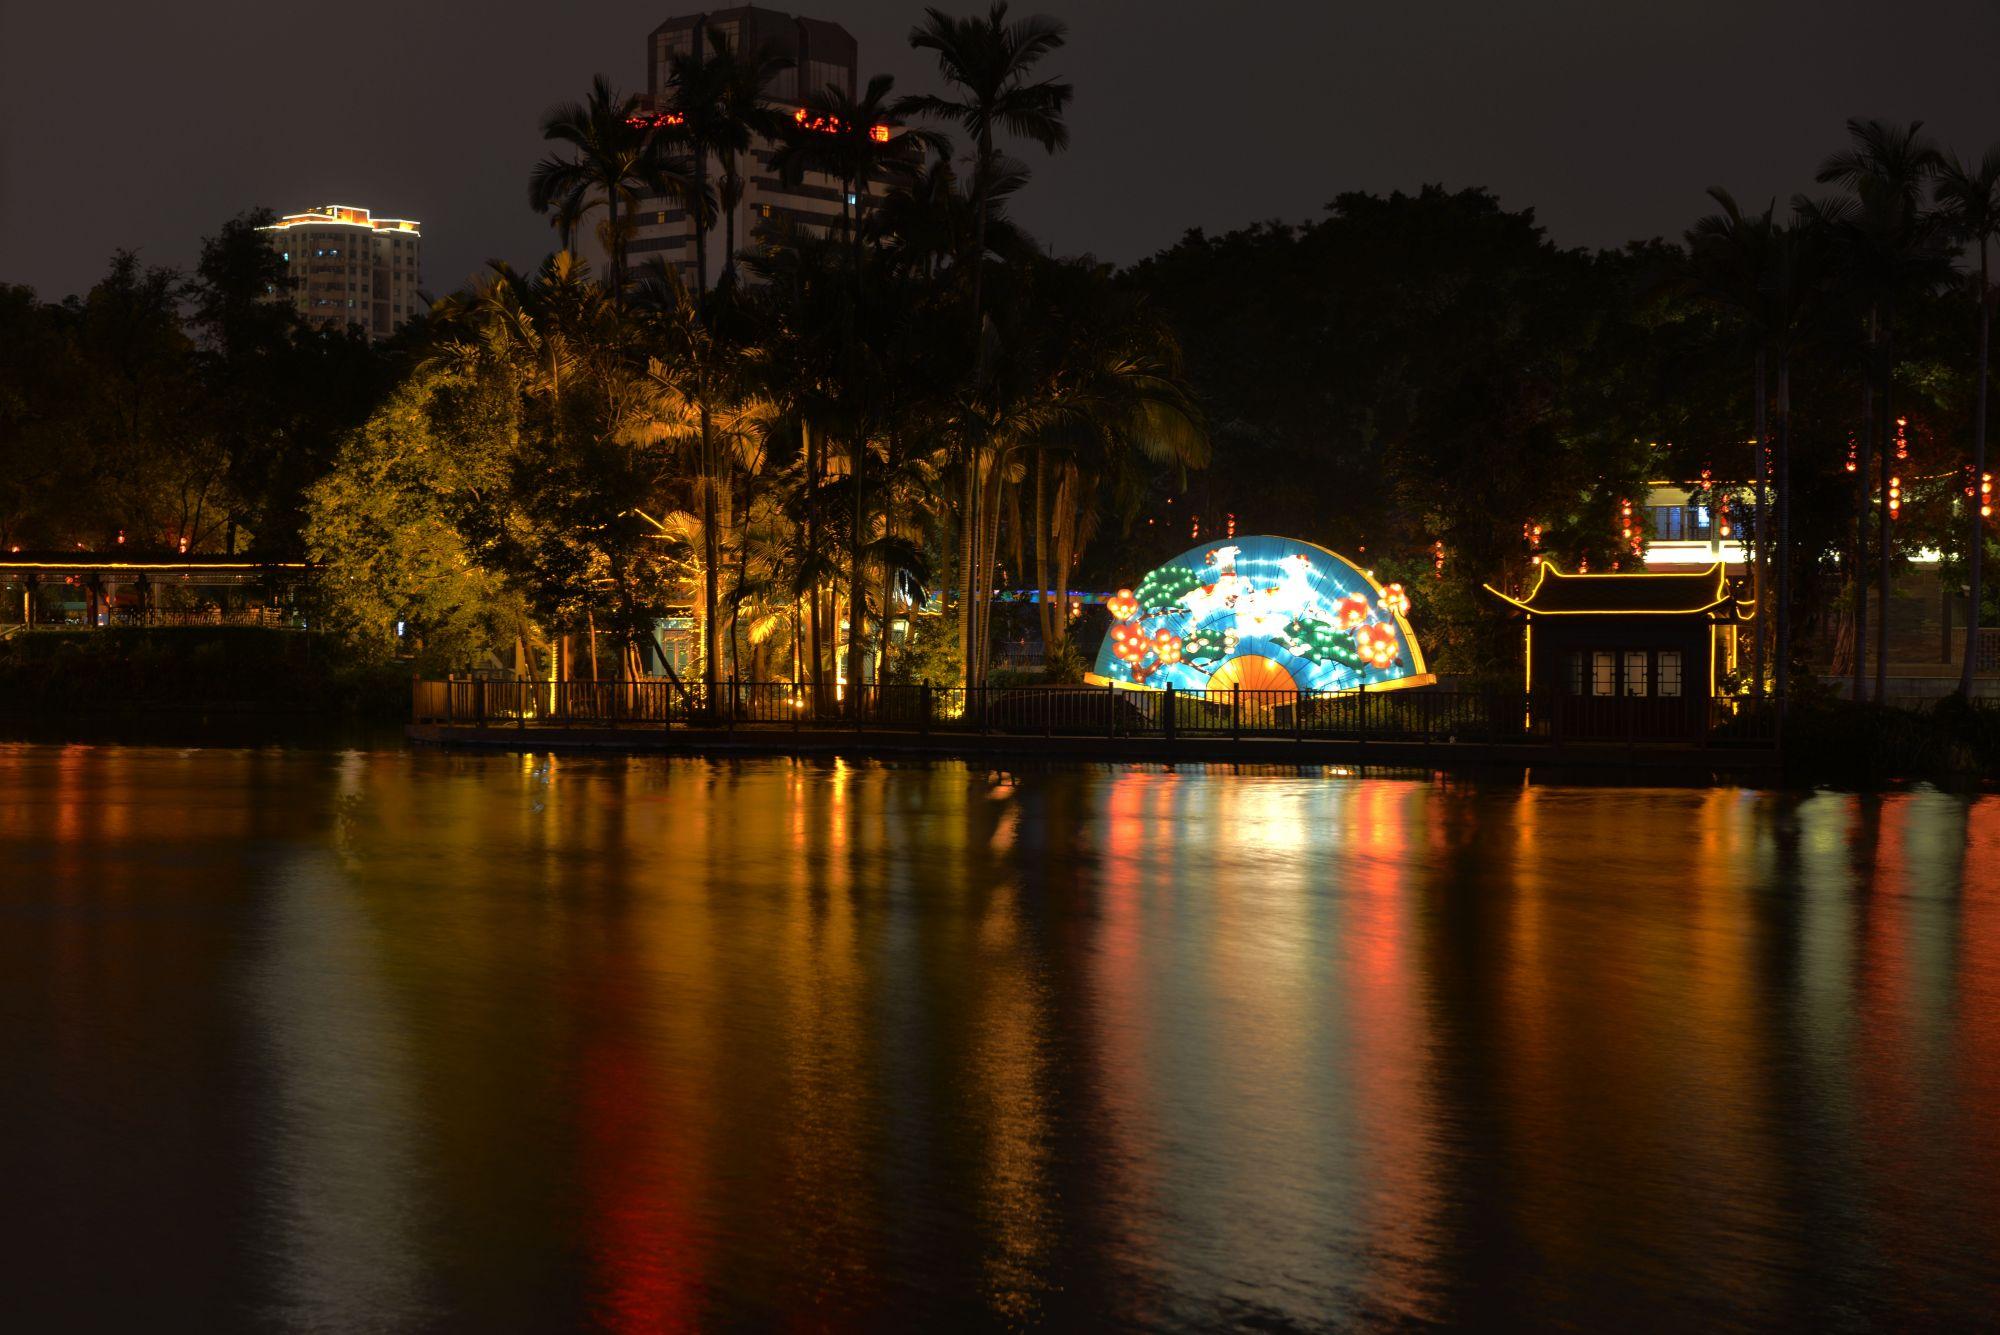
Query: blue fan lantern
point(1261, 614)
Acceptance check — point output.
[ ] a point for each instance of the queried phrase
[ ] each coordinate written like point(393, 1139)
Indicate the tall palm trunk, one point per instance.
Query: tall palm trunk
point(1760, 536)
point(812, 555)
point(1884, 540)
point(857, 598)
point(990, 558)
point(1863, 463)
point(1067, 500)
point(616, 244)
point(700, 223)
point(1978, 550)
point(968, 562)
point(711, 553)
point(1783, 551)
point(1042, 582)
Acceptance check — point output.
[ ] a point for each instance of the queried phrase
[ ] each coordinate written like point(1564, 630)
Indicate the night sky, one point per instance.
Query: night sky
point(143, 126)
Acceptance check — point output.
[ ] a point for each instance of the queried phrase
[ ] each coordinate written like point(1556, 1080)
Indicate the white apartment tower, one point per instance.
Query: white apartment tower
point(350, 268)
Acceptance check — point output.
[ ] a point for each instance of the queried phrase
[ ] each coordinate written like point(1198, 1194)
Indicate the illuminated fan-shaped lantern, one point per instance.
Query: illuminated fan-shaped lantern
point(1377, 644)
point(1167, 646)
point(1128, 641)
point(1395, 601)
point(1350, 611)
point(1122, 605)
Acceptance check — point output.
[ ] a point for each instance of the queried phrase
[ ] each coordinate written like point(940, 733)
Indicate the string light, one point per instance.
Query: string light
point(1232, 526)
point(1722, 514)
point(1895, 497)
point(1853, 456)
point(1902, 439)
point(1986, 495)
point(1531, 534)
point(1437, 559)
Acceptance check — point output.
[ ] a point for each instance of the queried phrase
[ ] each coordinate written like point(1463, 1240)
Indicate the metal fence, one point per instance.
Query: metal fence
point(1421, 715)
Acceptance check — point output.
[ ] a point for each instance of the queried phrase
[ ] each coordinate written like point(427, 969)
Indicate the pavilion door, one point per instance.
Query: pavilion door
point(1618, 693)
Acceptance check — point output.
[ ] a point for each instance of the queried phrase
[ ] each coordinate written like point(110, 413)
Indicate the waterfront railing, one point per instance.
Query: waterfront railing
point(1426, 715)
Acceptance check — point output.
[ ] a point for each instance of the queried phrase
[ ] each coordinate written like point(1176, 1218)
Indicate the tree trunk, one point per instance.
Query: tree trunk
point(1782, 552)
point(857, 597)
point(1864, 461)
point(695, 215)
point(617, 255)
point(590, 625)
point(968, 563)
point(1760, 536)
point(990, 542)
point(711, 556)
point(1975, 556)
point(1043, 585)
point(1067, 500)
point(1884, 540)
point(811, 554)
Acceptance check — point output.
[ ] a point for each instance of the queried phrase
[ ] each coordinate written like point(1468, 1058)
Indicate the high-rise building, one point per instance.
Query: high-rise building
point(822, 54)
point(350, 268)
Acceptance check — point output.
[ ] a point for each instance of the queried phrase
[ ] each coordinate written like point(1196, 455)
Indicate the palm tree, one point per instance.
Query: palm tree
point(1891, 250)
point(699, 126)
point(1968, 198)
point(693, 374)
point(1730, 266)
point(849, 139)
point(990, 63)
point(747, 116)
point(617, 159)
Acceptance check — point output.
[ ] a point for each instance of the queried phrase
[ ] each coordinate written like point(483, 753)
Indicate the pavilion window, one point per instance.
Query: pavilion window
point(1603, 673)
point(1669, 671)
point(1635, 672)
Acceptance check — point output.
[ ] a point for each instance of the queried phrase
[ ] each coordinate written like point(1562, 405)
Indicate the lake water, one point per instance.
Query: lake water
point(400, 1041)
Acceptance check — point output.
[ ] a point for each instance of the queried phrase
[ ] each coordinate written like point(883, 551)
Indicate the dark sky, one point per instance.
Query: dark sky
point(143, 126)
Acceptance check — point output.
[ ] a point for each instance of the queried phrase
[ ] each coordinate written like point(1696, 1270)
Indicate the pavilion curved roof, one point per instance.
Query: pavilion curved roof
point(1644, 593)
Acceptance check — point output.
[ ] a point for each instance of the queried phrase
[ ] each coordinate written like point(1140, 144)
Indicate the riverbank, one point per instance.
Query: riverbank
point(1677, 761)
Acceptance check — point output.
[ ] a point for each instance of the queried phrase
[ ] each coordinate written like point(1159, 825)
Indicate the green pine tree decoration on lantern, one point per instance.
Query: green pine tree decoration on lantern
point(1323, 642)
point(1162, 589)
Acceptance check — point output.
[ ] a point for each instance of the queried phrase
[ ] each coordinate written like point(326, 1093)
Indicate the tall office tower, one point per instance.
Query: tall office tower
point(348, 267)
point(822, 54)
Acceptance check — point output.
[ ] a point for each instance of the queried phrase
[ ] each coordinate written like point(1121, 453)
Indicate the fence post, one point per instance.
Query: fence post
point(924, 708)
point(1235, 719)
point(479, 701)
point(1167, 716)
point(984, 722)
point(1298, 716)
point(1110, 710)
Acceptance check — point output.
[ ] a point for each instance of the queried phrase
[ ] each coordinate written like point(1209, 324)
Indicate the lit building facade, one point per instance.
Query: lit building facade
point(823, 54)
point(348, 267)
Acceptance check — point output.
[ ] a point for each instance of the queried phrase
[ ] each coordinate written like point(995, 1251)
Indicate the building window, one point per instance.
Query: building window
point(1603, 673)
point(1635, 672)
point(1574, 678)
point(1670, 672)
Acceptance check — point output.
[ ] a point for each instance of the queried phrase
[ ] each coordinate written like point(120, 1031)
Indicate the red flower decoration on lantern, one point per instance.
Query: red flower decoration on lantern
point(1377, 645)
point(1395, 601)
point(1129, 642)
point(1122, 605)
point(1350, 611)
point(1167, 646)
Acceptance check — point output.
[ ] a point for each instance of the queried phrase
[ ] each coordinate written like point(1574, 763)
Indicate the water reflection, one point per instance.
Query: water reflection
point(395, 1040)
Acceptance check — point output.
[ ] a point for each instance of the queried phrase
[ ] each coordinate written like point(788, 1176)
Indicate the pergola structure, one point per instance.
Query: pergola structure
point(92, 590)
